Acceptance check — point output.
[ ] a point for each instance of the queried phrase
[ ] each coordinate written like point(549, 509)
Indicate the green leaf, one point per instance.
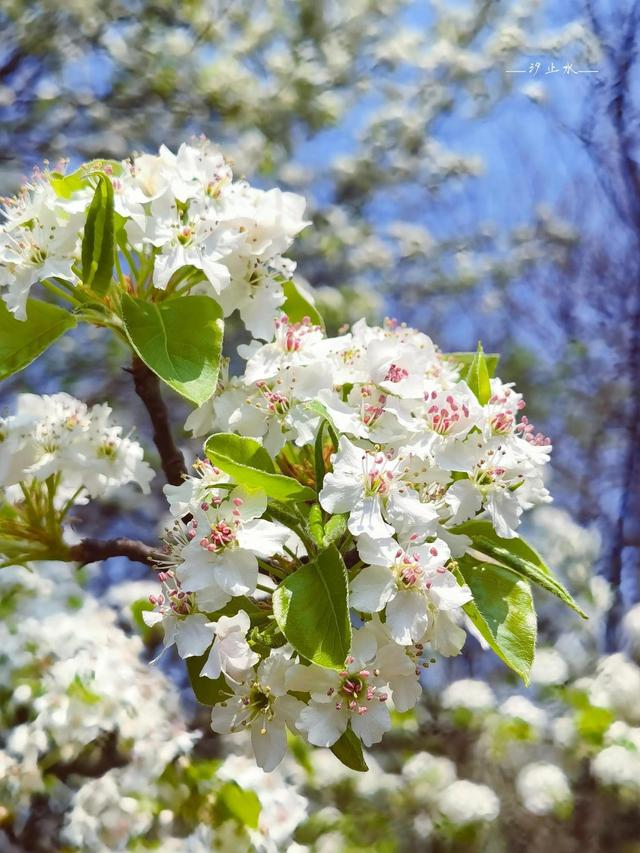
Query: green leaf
point(180, 340)
point(241, 804)
point(311, 609)
point(22, 341)
point(335, 528)
point(348, 750)
point(319, 408)
point(208, 691)
point(318, 455)
point(518, 556)
point(482, 527)
point(149, 633)
point(297, 307)
point(520, 566)
point(315, 523)
point(98, 241)
point(477, 377)
point(79, 690)
point(65, 186)
point(249, 464)
point(502, 610)
point(464, 360)
point(592, 723)
point(241, 602)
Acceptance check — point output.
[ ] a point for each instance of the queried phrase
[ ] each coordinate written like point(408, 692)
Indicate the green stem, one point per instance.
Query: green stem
point(181, 277)
point(129, 257)
point(32, 512)
point(297, 523)
point(53, 288)
point(290, 553)
point(119, 269)
point(355, 570)
point(65, 509)
point(272, 570)
point(52, 518)
point(264, 588)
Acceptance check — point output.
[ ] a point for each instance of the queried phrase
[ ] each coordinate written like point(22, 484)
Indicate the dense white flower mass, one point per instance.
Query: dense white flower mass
point(184, 210)
point(336, 534)
point(543, 788)
point(414, 455)
point(88, 725)
point(72, 683)
point(618, 767)
point(79, 447)
point(466, 802)
point(469, 693)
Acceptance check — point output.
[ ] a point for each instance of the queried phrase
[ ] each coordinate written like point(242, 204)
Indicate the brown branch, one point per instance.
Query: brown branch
point(93, 550)
point(147, 387)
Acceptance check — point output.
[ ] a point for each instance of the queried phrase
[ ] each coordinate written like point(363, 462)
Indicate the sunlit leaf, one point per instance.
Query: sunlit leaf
point(311, 609)
point(180, 340)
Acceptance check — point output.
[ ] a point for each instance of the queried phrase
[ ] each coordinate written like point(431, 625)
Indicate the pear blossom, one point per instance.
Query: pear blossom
point(497, 474)
point(370, 447)
point(194, 490)
point(465, 802)
point(409, 584)
point(363, 483)
point(355, 696)
point(174, 609)
point(216, 554)
point(544, 788)
point(230, 653)
point(38, 240)
point(469, 693)
point(182, 243)
point(273, 410)
point(292, 347)
point(76, 682)
point(59, 435)
point(181, 213)
point(262, 705)
point(441, 417)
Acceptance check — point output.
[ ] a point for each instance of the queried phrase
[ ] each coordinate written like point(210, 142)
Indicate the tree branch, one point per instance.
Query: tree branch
point(93, 550)
point(147, 387)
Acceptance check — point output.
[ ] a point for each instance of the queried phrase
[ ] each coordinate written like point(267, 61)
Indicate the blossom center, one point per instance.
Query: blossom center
point(259, 702)
point(173, 599)
point(408, 570)
point(395, 373)
point(290, 336)
point(221, 536)
point(277, 403)
point(354, 692)
point(378, 477)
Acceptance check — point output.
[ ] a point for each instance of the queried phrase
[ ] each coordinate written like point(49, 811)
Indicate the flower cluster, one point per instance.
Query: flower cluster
point(407, 422)
point(93, 735)
point(79, 447)
point(358, 491)
point(177, 212)
point(76, 694)
point(407, 455)
point(502, 763)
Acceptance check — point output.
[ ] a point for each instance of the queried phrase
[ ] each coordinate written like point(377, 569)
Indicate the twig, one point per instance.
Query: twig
point(147, 387)
point(93, 550)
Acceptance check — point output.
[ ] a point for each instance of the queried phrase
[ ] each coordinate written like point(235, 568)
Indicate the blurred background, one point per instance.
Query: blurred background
point(472, 168)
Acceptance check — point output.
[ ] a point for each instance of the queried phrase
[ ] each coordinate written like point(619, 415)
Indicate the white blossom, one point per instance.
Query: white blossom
point(543, 788)
point(465, 802)
point(262, 705)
